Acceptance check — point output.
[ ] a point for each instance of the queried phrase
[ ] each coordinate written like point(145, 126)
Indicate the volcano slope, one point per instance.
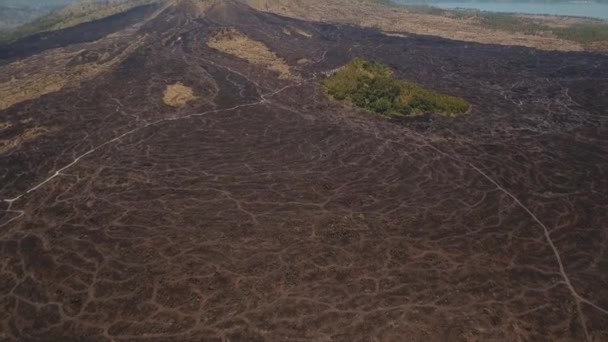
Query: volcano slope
point(259, 210)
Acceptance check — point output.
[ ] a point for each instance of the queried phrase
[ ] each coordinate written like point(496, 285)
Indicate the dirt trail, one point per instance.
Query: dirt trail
point(264, 211)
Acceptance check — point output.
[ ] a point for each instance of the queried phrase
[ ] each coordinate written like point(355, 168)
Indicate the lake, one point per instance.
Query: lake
point(580, 9)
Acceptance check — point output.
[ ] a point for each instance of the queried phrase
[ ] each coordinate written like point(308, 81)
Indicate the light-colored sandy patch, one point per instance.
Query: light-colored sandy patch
point(239, 45)
point(287, 32)
point(178, 95)
point(28, 135)
point(392, 34)
point(303, 33)
point(303, 61)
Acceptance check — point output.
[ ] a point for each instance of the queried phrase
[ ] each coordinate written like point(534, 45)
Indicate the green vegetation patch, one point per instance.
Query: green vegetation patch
point(373, 86)
point(586, 32)
point(583, 33)
point(510, 23)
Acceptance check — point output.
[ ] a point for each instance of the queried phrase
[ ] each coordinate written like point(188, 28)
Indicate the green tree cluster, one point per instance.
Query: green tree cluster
point(373, 86)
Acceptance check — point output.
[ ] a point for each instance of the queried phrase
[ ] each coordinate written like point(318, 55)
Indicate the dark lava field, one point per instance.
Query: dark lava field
point(264, 211)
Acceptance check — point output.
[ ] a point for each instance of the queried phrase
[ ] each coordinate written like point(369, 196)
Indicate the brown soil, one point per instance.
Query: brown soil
point(265, 212)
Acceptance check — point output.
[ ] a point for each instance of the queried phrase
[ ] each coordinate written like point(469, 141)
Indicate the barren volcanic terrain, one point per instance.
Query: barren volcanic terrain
point(161, 182)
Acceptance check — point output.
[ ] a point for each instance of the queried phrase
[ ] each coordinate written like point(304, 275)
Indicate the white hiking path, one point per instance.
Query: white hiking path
point(263, 99)
point(57, 173)
point(566, 279)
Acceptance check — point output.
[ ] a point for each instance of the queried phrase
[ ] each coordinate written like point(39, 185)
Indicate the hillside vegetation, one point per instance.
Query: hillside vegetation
point(579, 30)
point(541, 32)
point(585, 31)
point(372, 86)
point(72, 15)
point(11, 17)
point(430, 2)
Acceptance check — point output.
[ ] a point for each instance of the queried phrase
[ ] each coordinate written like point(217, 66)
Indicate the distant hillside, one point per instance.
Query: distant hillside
point(547, 33)
point(37, 3)
point(14, 13)
point(60, 14)
point(500, 1)
point(14, 16)
point(18, 12)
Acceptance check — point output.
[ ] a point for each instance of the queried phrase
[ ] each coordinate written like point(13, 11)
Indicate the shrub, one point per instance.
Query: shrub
point(372, 86)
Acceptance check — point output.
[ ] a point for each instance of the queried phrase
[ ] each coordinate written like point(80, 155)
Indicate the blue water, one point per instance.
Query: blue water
point(581, 9)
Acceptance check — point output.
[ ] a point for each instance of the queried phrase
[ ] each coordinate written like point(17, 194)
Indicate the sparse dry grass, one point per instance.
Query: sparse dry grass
point(239, 45)
point(27, 135)
point(5, 125)
point(49, 72)
point(369, 13)
point(178, 95)
point(72, 15)
point(197, 8)
point(29, 88)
